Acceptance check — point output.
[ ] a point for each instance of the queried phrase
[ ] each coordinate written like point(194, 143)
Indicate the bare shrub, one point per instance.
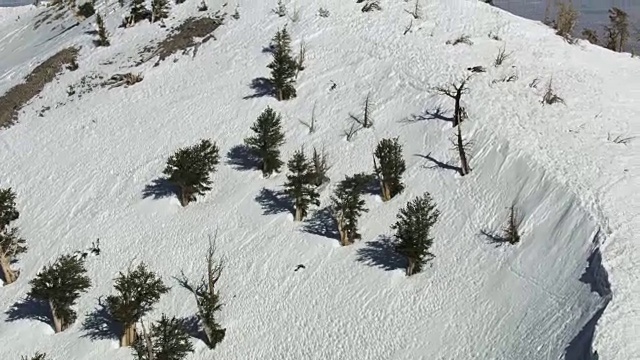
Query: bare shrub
point(462, 39)
point(416, 11)
point(590, 35)
point(352, 130)
point(371, 6)
point(550, 97)
point(322, 12)
point(620, 139)
point(566, 21)
point(501, 57)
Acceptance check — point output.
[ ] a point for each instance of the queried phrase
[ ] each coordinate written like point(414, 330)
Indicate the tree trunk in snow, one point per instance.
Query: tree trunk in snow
point(129, 335)
point(298, 214)
point(10, 275)
point(386, 193)
point(184, 196)
point(411, 266)
point(57, 322)
point(279, 94)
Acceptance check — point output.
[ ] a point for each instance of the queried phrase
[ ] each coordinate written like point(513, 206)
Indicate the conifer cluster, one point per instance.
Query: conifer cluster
point(11, 244)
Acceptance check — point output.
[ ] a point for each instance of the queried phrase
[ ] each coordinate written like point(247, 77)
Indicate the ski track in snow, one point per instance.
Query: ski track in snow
point(80, 171)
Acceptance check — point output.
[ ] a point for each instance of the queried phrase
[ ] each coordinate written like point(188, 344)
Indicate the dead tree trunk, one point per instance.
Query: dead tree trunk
point(464, 163)
point(455, 91)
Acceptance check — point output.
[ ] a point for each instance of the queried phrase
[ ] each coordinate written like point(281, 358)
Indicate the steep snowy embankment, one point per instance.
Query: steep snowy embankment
point(81, 170)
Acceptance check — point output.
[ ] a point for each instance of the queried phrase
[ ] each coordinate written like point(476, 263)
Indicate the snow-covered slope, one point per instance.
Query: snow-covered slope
point(81, 170)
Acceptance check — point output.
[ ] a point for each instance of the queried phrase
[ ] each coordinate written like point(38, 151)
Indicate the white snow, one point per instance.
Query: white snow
point(80, 172)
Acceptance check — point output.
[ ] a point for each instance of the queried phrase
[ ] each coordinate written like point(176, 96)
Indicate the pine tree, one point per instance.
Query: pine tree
point(320, 168)
point(207, 298)
point(392, 166)
point(267, 140)
point(189, 169)
point(11, 245)
point(159, 10)
point(60, 285)
point(283, 67)
point(138, 12)
point(103, 35)
point(299, 184)
point(347, 206)
point(138, 291)
point(413, 231)
point(167, 340)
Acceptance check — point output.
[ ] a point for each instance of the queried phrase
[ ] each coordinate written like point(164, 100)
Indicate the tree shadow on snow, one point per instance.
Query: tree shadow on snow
point(381, 253)
point(493, 238)
point(439, 164)
point(159, 188)
point(261, 87)
point(192, 327)
point(241, 158)
point(273, 202)
point(322, 223)
point(436, 114)
point(100, 325)
point(30, 309)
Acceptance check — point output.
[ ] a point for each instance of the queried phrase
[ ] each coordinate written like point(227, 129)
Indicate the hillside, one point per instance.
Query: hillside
point(89, 165)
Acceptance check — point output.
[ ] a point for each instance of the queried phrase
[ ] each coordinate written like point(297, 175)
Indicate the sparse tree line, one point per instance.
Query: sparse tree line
point(615, 36)
point(60, 284)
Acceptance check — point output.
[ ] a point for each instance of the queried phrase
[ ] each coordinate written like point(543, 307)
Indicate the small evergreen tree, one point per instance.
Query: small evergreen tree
point(347, 206)
point(60, 285)
point(167, 340)
point(392, 166)
point(207, 298)
point(320, 167)
point(159, 10)
point(283, 67)
point(189, 169)
point(103, 35)
point(86, 10)
point(413, 231)
point(138, 291)
point(617, 32)
point(299, 184)
point(11, 245)
point(267, 140)
point(138, 12)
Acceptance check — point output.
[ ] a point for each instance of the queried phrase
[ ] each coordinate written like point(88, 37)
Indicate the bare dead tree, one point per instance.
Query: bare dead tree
point(408, 28)
point(462, 147)
point(512, 228)
point(455, 91)
point(312, 124)
point(352, 131)
point(365, 121)
point(206, 296)
point(550, 96)
point(501, 57)
point(416, 12)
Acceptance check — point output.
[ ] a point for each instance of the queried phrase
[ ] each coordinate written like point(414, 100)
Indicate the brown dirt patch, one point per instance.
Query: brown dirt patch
point(14, 99)
point(183, 38)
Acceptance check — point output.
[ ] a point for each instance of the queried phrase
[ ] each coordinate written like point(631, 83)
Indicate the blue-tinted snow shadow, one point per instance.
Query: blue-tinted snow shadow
point(381, 253)
point(273, 202)
point(160, 188)
point(595, 275)
point(100, 325)
point(29, 309)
